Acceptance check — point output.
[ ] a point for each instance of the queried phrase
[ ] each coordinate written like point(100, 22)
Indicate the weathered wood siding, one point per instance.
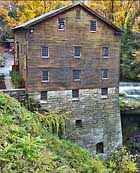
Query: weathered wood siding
point(20, 51)
point(61, 59)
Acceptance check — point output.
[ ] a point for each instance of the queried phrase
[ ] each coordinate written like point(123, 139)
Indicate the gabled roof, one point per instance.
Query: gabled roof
point(65, 9)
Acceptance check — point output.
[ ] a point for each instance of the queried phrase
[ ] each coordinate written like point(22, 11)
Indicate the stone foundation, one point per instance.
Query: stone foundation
point(93, 120)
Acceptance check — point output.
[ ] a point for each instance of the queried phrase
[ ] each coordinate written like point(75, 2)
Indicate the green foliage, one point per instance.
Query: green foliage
point(122, 104)
point(17, 79)
point(54, 122)
point(122, 162)
point(26, 146)
point(130, 56)
point(129, 103)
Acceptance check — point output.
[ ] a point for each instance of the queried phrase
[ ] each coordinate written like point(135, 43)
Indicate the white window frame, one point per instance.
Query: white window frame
point(102, 74)
point(75, 98)
point(58, 24)
point(90, 25)
point(44, 57)
point(77, 57)
point(106, 57)
point(46, 95)
point(105, 95)
point(48, 77)
point(73, 75)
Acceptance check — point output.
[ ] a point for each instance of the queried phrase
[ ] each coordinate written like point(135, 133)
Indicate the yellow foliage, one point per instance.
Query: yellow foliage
point(122, 162)
point(121, 12)
point(26, 10)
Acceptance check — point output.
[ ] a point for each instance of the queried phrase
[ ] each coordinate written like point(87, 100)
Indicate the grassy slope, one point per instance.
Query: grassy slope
point(26, 146)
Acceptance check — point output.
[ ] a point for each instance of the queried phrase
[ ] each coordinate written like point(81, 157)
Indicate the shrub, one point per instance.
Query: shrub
point(122, 161)
point(27, 146)
point(17, 79)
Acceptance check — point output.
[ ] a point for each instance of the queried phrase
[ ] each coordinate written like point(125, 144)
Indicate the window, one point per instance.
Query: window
point(78, 123)
point(78, 13)
point(61, 24)
point(43, 95)
point(45, 52)
point(93, 26)
point(77, 52)
point(45, 76)
point(105, 51)
point(104, 91)
point(104, 73)
point(75, 93)
point(99, 148)
point(76, 75)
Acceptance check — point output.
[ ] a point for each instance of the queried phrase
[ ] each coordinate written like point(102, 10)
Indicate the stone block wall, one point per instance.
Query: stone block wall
point(19, 94)
point(92, 118)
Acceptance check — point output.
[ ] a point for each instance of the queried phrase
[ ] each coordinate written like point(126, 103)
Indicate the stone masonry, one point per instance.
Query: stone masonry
point(99, 116)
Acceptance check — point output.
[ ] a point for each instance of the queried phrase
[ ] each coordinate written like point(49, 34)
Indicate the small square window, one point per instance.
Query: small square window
point(77, 52)
point(104, 91)
point(78, 13)
point(75, 93)
point(104, 73)
point(93, 26)
point(45, 76)
point(76, 75)
point(45, 52)
point(105, 51)
point(43, 95)
point(99, 147)
point(78, 123)
point(61, 24)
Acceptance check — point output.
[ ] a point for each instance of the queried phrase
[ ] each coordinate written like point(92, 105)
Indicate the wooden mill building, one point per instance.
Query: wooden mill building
point(69, 59)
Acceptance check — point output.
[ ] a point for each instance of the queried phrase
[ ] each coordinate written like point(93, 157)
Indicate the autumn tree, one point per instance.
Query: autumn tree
point(121, 12)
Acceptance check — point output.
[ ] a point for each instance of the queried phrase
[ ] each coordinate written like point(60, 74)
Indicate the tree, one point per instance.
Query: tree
point(121, 12)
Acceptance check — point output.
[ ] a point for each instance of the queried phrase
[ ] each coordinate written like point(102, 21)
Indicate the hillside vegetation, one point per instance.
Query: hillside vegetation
point(26, 145)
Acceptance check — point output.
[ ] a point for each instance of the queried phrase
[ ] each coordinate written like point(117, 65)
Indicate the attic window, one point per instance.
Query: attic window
point(61, 24)
point(78, 13)
point(93, 26)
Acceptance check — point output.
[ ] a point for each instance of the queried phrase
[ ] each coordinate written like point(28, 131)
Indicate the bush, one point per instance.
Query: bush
point(122, 161)
point(27, 146)
point(17, 79)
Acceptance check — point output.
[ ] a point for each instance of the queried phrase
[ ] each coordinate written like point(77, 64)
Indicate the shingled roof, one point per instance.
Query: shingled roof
point(65, 9)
